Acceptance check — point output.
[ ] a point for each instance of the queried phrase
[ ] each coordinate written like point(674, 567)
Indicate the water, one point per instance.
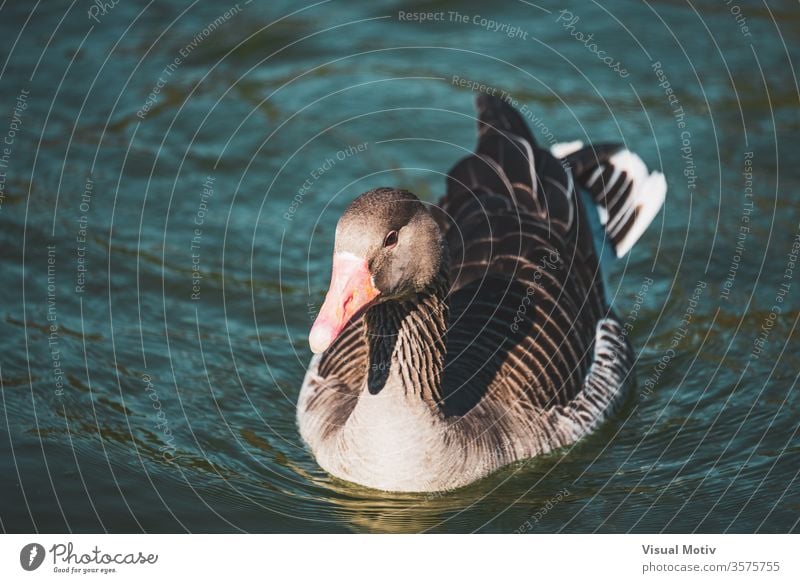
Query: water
point(163, 401)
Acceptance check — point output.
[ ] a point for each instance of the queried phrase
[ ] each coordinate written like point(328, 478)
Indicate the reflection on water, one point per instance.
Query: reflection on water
point(184, 236)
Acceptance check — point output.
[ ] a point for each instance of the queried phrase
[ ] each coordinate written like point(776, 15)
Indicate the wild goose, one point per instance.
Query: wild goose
point(456, 339)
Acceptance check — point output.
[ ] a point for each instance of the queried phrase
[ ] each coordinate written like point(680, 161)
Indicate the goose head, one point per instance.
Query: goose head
point(388, 248)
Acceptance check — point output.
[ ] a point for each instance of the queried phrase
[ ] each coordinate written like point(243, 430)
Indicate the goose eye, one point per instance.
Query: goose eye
point(391, 239)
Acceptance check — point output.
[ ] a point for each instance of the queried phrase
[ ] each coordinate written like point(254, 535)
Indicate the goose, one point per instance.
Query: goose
point(458, 338)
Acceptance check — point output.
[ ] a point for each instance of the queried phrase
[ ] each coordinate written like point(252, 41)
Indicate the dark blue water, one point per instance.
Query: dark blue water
point(172, 173)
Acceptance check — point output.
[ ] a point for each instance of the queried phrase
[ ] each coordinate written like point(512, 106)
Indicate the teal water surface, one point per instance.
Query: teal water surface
point(172, 173)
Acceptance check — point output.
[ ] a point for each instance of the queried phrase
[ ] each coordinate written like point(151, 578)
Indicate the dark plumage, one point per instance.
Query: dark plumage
point(459, 338)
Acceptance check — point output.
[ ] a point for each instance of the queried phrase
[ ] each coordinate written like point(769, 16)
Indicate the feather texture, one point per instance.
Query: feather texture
point(513, 353)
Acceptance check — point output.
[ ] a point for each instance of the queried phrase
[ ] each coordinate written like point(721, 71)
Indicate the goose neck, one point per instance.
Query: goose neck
point(406, 342)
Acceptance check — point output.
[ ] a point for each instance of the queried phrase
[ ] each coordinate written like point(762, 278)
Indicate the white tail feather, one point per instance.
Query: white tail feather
point(564, 149)
point(648, 198)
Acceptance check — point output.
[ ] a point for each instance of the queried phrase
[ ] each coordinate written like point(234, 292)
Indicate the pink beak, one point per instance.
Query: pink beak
point(351, 291)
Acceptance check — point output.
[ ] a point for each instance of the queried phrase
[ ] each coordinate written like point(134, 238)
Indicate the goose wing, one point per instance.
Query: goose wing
point(527, 297)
